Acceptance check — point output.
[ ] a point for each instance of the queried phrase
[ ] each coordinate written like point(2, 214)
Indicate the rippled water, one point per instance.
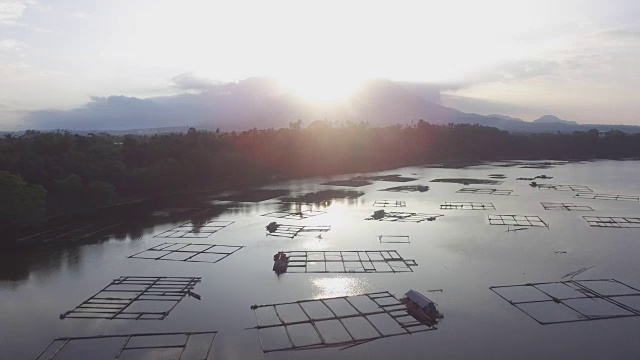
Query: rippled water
point(459, 253)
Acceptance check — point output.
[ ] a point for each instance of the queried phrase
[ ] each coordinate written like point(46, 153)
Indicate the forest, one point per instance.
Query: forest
point(44, 175)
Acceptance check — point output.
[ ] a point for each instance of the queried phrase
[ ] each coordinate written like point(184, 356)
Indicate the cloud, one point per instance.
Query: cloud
point(78, 15)
point(10, 47)
point(13, 10)
point(231, 106)
point(189, 81)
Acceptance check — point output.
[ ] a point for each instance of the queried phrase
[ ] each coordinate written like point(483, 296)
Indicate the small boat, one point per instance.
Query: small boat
point(280, 262)
point(379, 214)
point(272, 227)
point(421, 308)
point(533, 184)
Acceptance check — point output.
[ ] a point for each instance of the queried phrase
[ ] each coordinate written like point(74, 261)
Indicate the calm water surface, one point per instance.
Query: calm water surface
point(459, 253)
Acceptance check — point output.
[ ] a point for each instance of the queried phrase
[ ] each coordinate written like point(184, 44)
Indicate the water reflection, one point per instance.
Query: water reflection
point(338, 286)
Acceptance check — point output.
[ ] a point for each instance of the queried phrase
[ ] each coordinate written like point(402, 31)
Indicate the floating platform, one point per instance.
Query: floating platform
point(136, 298)
point(573, 300)
point(344, 322)
point(167, 346)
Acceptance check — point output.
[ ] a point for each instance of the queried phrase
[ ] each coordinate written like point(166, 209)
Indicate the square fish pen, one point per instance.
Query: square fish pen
point(572, 300)
point(484, 191)
point(383, 261)
point(405, 217)
point(166, 346)
point(579, 188)
point(294, 215)
point(593, 196)
point(207, 253)
point(136, 298)
point(394, 239)
point(71, 233)
point(517, 220)
point(389, 203)
point(613, 222)
point(291, 231)
point(407, 188)
point(343, 321)
point(195, 231)
point(565, 206)
point(453, 205)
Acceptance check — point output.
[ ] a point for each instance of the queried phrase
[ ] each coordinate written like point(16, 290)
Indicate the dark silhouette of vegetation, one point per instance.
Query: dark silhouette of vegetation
point(48, 174)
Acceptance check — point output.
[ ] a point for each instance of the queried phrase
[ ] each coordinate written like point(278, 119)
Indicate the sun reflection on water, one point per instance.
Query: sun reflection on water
point(338, 286)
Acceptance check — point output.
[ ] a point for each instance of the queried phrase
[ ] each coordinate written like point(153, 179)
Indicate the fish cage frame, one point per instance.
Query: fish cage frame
point(294, 215)
point(394, 262)
point(394, 239)
point(576, 188)
point(164, 252)
point(565, 206)
point(173, 211)
point(616, 222)
point(517, 220)
point(407, 188)
point(585, 292)
point(387, 305)
point(127, 340)
point(467, 205)
point(69, 233)
point(170, 289)
point(593, 196)
point(389, 203)
point(485, 191)
point(291, 231)
point(189, 230)
point(401, 216)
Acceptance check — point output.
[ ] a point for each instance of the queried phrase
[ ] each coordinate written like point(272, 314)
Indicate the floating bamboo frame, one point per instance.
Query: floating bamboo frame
point(187, 252)
point(370, 310)
point(613, 222)
point(294, 215)
point(577, 188)
point(573, 296)
point(394, 239)
point(195, 231)
point(368, 261)
point(485, 191)
point(291, 231)
point(593, 196)
point(565, 206)
point(459, 205)
point(178, 342)
point(517, 220)
point(389, 203)
point(406, 217)
point(115, 300)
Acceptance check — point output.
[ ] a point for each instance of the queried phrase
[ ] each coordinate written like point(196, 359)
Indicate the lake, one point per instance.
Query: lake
point(459, 256)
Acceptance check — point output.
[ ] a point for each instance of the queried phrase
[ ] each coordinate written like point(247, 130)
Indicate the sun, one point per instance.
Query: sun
point(320, 88)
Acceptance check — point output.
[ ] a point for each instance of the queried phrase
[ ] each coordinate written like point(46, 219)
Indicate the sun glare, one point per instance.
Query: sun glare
point(321, 88)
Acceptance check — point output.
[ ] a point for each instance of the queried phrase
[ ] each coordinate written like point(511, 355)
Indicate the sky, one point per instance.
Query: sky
point(577, 59)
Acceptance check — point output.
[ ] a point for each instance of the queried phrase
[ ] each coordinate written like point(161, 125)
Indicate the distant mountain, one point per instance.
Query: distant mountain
point(550, 119)
point(505, 117)
point(261, 103)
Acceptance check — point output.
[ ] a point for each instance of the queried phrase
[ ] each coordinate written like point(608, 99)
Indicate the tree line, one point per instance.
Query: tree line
point(48, 174)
